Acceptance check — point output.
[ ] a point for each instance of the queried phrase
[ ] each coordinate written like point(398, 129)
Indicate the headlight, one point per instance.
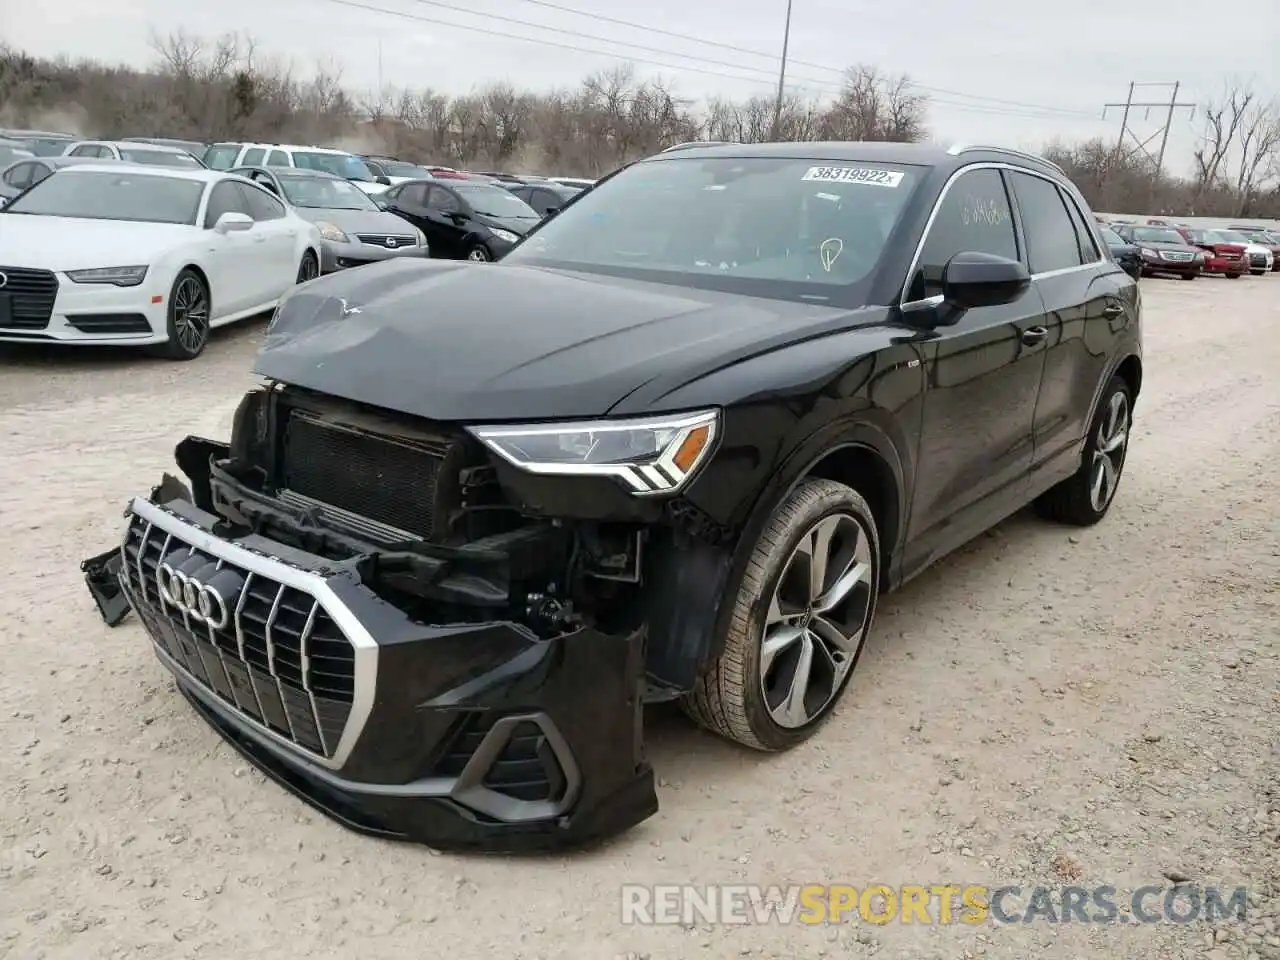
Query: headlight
point(1148, 253)
point(330, 231)
point(651, 456)
point(419, 238)
point(506, 235)
point(118, 276)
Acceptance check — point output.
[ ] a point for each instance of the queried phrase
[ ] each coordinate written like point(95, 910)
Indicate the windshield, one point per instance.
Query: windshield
point(160, 158)
point(91, 195)
point(1157, 235)
point(494, 201)
point(339, 164)
point(326, 194)
point(1231, 236)
point(783, 228)
point(46, 146)
point(1111, 237)
point(221, 158)
point(395, 168)
point(10, 154)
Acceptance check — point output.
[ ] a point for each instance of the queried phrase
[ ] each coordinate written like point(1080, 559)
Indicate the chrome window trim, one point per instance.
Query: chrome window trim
point(911, 305)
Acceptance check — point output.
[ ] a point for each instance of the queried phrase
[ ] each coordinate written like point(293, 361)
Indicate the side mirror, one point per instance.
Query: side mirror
point(458, 217)
point(551, 211)
point(385, 181)
point(233, 223)
point(971, 279)
point(382, 203)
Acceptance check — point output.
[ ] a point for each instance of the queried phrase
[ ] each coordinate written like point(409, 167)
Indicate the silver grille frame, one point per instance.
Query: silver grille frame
point(380, 240)
point(285, 575)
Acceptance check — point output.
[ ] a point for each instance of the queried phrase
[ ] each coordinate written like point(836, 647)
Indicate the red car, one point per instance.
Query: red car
point(1220, 256)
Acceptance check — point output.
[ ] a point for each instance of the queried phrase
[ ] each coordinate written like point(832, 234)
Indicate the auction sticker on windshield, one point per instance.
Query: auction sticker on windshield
point(875, 178)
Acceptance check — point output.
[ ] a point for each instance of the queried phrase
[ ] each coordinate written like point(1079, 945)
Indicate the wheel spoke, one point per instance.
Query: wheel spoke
point(839, 644)
point(818, 546)
point(1114, 443)
point(793, 710)
point(857, 571)
point(775, 642)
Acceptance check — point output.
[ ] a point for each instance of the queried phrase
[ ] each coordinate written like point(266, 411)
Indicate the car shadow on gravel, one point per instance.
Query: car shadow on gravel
point(71, 357)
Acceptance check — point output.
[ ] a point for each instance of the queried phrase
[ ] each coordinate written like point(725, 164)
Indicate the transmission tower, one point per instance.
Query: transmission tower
point(1127, 132)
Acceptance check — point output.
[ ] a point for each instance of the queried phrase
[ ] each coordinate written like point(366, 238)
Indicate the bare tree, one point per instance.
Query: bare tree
point(875, 106)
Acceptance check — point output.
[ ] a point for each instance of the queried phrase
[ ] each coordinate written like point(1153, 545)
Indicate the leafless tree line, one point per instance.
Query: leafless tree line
point(226, 89)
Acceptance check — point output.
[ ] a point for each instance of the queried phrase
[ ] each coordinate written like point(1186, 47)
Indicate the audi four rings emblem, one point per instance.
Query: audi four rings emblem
point(197, 587)
point(4, 280)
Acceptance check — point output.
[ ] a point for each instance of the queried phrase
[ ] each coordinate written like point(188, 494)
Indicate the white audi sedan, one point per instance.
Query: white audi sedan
point(114, 253)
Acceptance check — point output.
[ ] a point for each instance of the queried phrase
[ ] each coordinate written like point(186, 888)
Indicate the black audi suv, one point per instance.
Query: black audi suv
point(672, 446)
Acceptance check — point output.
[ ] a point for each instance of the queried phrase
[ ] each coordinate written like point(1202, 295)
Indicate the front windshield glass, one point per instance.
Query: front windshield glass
point(326, 194)
point(1157, 235)
point(160, 158)
point(92, 195)
point(786, 228)
point(339, 164)
point(493, 201)
point(1111, 237)
point(1231, 236)
point(395, 168)
point(46, 146)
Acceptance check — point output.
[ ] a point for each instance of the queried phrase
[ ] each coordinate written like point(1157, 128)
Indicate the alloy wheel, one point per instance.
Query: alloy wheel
point(817, 620)
point(1108, 452)
point(191, 314)
point(478, 255)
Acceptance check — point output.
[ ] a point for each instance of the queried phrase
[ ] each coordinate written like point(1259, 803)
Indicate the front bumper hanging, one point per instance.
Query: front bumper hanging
point(460, 736)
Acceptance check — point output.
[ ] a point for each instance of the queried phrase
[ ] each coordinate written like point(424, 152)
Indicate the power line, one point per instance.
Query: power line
point(997, 108)
point(1163, 132)
point(547, 4)
point(354, 4)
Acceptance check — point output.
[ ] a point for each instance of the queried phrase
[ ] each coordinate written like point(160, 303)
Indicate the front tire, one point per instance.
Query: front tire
point(1084, 498)
point(479, 254)
point(309, 269)
point(801, 615)
point(188, 318)
point(1234, 276)
point(1190, 276)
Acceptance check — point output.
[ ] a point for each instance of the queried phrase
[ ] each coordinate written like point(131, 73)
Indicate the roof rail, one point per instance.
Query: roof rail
point(956, 149)
point(689, 144)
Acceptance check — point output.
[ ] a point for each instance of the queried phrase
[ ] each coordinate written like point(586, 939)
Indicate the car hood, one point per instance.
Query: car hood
point(357, 221)
point(69, 243)
point(517, 225)
point(1258, 248)
point(1163, 245)
point(458, 341)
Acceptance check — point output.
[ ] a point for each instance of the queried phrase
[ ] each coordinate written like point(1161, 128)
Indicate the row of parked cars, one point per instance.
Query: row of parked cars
point(144, 242)
point(1166, 248)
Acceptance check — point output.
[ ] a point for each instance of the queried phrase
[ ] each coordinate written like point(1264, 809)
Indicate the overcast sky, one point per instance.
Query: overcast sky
point(995, 70)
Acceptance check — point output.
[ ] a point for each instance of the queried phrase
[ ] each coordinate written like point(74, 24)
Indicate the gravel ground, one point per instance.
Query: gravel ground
point(1045, 707)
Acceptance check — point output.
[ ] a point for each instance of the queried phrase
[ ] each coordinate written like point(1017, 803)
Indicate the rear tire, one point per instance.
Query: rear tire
point(802, 611)
point(1190, 276)
point(1084, 498)
point(188, 317)
point(1234, 276)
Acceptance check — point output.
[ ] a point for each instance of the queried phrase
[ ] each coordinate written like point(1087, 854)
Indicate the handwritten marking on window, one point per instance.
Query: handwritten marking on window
point(982, 211)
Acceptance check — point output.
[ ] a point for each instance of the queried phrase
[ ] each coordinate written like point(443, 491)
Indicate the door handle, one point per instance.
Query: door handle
point(1112, 310)
point(260, 239)
point(1033, 335)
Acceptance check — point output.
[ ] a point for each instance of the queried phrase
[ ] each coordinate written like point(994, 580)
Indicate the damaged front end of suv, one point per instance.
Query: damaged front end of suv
point(367, 608)
point(431, 630)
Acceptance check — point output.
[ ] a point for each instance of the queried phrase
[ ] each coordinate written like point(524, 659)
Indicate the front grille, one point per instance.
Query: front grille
point(1176, 256)
point(281, 660)
point(30, 295)
point(391, 480)
point(109, 322)
point(1258, 259)
point(381, 239)
point(1231, 256)
point(526, 769)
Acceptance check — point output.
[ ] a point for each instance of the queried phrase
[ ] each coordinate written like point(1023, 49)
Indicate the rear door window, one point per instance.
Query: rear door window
point(253, 157)
point(222, 156)
point(1052, 243)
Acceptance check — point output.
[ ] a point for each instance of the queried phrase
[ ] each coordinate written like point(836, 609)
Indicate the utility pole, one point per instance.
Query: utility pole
point(1140, 146)
point(782, 73)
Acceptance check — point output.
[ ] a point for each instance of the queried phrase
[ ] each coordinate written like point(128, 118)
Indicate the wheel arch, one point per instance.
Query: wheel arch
point(1130, 371)
point(204, 278)
point(866, 470)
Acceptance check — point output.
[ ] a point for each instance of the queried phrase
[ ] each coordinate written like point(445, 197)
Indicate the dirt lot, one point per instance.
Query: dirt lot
point(1046, 707)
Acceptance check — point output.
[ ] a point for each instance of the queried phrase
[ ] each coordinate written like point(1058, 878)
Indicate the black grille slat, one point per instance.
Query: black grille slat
point(380, 239)
point(109, 322)
point(261, 663)
point(526, 769)
point(385, 479)
point(31, 295)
